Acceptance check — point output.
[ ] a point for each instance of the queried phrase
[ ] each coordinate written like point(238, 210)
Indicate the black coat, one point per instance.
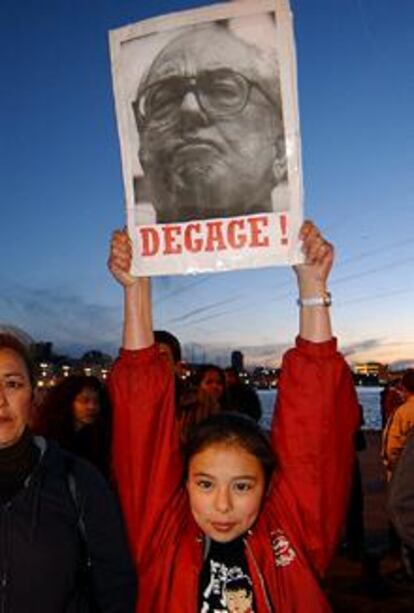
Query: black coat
point(41, 550)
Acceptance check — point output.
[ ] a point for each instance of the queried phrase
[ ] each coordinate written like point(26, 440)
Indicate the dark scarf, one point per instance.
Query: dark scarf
point(16, 463)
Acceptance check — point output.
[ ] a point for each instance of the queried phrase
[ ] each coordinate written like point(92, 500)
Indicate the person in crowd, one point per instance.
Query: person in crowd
point(62, 543)
point(241, 397)
point(232, 376)
point(210, 380)
point(232, 503)
point(399, 425)
point(193, 402)
point(392, 396)
point(401, 504)
point(171, 346)
point(209, 118)
point(204, 397)
point(76, 413)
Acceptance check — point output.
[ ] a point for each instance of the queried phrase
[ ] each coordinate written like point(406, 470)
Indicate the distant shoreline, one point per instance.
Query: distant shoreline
point(368, 396)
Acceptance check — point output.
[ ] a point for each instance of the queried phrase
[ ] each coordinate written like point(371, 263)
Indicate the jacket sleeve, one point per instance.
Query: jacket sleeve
point(401, 494)
point(113, 575)
point(146, 456)
point(313, 437)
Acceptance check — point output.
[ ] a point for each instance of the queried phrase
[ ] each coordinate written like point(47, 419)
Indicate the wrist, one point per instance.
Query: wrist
point(322, 299)
point(136, 292)
point(136, 284)
point(310, 288)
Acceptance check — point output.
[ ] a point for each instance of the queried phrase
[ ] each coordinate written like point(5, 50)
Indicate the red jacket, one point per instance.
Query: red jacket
point(297, 531)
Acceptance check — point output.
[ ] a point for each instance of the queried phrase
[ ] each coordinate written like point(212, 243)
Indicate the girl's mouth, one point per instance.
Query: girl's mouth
point(223, 526)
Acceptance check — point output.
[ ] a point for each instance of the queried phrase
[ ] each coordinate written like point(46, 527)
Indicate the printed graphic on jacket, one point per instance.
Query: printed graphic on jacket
point(283, 552)
point(225, 583)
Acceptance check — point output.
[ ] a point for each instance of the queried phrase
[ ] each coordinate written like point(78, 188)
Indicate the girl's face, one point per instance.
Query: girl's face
point(225, 485)
point(86, 407)
point(15, 397)
point(212, 384)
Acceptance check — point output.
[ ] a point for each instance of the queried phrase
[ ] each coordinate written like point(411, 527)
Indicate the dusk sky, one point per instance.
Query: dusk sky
point(62, 193)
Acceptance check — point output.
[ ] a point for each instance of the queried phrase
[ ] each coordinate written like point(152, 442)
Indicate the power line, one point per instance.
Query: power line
point(182, 290)
point(380, 249)
point(375, 297)
point(372, 271)
point(202, 309)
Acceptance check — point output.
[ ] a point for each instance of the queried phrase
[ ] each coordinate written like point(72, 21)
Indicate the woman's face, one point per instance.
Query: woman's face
point(15, 397)
point(212, 384)
point(225, 485)
point(86, 407)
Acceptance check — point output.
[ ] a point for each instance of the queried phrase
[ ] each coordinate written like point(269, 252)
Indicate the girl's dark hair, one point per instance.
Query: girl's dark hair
point(9, 341)
point(230, 428)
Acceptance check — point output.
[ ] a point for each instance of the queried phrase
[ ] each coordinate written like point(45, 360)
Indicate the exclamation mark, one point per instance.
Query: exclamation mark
point(283, 229)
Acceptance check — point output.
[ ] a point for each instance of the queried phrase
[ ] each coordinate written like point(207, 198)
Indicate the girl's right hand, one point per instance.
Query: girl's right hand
point(120, 258)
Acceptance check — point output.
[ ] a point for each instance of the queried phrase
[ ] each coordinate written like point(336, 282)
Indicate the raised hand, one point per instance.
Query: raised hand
point(137, 294)
point(319, 257)
point(120, 258)
point(315, 321)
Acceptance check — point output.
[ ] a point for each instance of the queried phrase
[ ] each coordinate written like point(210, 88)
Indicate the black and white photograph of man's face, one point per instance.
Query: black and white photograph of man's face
point(209, 119)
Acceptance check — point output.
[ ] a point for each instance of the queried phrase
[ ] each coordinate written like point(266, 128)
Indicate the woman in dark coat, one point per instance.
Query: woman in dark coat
point(62, 544)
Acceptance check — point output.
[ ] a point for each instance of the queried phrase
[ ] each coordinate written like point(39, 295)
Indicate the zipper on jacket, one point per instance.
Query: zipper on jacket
point(262, 583)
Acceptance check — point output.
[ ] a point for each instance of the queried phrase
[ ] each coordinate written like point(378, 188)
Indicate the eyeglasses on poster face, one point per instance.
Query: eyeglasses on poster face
point(219, 93)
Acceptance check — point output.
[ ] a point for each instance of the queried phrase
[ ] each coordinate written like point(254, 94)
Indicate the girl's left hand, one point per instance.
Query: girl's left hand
point(319, 257)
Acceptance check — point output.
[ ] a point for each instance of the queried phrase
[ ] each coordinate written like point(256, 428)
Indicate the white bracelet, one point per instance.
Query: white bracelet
point(323, 300)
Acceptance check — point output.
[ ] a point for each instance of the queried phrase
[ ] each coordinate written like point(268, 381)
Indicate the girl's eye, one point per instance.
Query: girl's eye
point(204, 484)
point(242, 486)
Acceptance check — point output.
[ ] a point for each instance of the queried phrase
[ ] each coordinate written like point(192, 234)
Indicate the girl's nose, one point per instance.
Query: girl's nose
point(223, 501)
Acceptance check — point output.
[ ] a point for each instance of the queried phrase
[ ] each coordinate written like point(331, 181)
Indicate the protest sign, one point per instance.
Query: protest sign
point(207, 113)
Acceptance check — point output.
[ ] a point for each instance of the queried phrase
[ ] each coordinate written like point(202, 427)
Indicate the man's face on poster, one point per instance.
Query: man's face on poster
point(211, 135)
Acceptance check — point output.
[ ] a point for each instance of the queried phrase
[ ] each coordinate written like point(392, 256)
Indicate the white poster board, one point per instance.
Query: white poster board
point(207, 114)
